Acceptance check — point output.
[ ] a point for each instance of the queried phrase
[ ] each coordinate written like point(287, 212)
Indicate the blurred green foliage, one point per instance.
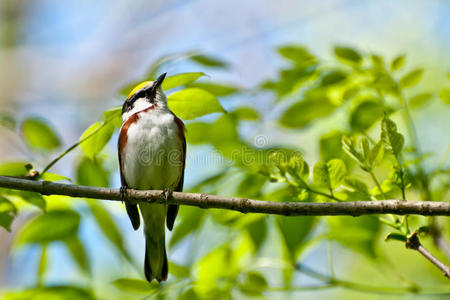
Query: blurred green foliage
point(367, 158)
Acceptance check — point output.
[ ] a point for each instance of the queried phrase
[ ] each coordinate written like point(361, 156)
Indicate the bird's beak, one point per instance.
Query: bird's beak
point(159, 81)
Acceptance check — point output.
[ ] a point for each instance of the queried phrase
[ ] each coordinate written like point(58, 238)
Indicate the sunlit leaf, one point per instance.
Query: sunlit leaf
point(209, 61)
point(78, 253)
point(304, 112)
point(51, 226)
point(177, 80)
point(191, 220)
point(192, 103)
point(135, 285)
point(392, 140)
point(333, 77)
point(290, 79)
point(60, 292)
point(91, 173)
point(298, 54)
point(217, 89)
point(246, 113)
point(412, 78)
point(97, 136)
point(331, 146)
point(445, 96)
point(375, 155)
point(366, 114)
point(54, 177)
point(108, 227)
point(419, 100)
point(348, 55)
point(179, 270)
point(359, 234)
point(13, 169)
point(39, 135)
point(331, 174)
point(33, 198)
point(398, 62)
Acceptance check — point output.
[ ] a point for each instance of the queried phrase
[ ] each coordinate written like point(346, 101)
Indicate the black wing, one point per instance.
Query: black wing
point(173, 209)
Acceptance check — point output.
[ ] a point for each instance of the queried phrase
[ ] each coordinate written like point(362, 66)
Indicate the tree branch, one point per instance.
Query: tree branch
point(399, 207)
point(413, 242)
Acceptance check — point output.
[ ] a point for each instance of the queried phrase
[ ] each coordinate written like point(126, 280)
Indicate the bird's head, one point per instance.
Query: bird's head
point(145, 95)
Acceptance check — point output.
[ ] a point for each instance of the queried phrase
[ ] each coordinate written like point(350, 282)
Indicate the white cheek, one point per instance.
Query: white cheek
point(139, 104)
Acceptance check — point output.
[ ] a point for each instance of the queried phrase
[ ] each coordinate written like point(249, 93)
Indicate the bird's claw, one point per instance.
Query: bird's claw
point(123, 193)
point(167, 193)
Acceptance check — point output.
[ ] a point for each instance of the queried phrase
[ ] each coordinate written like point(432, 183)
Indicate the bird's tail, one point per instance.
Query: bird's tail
point(155, 262)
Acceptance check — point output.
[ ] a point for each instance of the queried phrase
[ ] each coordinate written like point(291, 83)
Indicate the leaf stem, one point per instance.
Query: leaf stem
point(68, 150)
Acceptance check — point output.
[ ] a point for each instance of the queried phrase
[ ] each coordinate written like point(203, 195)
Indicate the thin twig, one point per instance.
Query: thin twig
point(413, 242)
point(244, 205)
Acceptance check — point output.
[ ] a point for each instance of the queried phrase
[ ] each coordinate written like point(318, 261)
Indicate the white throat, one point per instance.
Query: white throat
point(139, 105)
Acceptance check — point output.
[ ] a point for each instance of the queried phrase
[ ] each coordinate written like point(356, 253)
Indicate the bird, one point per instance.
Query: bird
point(152, 156)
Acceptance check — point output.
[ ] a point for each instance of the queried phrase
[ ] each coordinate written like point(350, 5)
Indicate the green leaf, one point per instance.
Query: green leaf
point(39, 135)
point(191, 220)
point(91, 173)
point(412, 78)
point(332, 78)
point(180, 79)
point(366, 114)
point(297, 54)
point(108, 227)
point(398, 62)
point(348, 55)
point(290, 79)
point(254, 284)
point(135, 285)
point(294, 232)
point(192, 103)
point(420, 99)
point(13, 169)
point(179, 270)
point(359, 234)
point(60, 292)
point(331, 146)
point(209, 61)
point(246, 113)
point(52, 226)
point(306, 111)
point(298, 169)
point(392, 140)
point(396, 237)
point(7, 120)
point(348, 145)
point(33, 198)
point(329, 175)
point(258, 232)
point(6, 220)
point(78, 253)
point(357, 190)
point(376, 154)
point(95, 138)
point(217, 89)
point(113, 115)
point(445, 96)
point(54, 177)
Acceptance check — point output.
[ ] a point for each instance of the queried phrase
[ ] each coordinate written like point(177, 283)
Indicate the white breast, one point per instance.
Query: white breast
point(152, 157)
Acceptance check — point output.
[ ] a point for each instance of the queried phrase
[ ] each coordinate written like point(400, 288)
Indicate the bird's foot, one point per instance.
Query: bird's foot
point(167, 194)
point(123, 193)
